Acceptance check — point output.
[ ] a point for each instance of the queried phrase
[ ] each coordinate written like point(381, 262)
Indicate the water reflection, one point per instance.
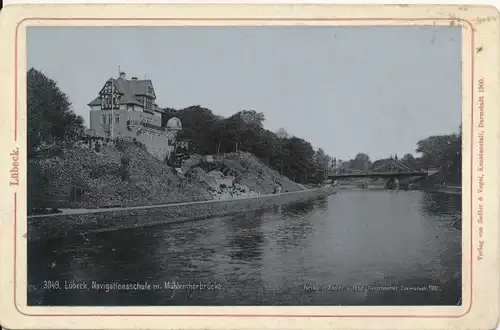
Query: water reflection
point(353, 238)
point(441, 204)
point(298, 209)
point(247, 238)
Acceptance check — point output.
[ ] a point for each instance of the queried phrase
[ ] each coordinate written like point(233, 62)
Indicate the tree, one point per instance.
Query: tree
point(332, 166)
point(410, 161)
point(36, 186)
point(218, 130)
point(322, 164)
point(340, 162)
point(252, 119)
point(443, 152)
point(435, 150)
point(295, 158)
point(198, 127)
point(50, 117)
point(382, 165)
point(361, 162)
point(244, 131)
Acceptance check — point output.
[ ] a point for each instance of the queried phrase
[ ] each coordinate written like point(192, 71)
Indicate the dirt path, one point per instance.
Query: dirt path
point(114, 209)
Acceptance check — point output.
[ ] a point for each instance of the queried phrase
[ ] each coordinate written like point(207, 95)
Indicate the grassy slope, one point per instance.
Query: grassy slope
point(257, 176)
point(98, 174)
point(150, 181)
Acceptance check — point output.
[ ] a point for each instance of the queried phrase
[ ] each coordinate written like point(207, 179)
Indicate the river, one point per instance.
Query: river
point(356, 247)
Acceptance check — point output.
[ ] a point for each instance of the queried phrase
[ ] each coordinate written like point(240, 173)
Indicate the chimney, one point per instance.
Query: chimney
point(123, 75)
point(134, 78)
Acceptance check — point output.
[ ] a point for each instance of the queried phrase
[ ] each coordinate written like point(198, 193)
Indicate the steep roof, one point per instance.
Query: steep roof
point(141, 87)
point(129, 90)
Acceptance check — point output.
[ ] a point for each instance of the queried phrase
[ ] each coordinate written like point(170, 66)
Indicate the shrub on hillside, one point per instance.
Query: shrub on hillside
point(97, 147)
point(36, 186)
point(100, 170)
point(120, 144)
point(124, 169)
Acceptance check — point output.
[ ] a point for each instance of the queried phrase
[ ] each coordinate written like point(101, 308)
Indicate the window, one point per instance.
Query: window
point(117, 119)
point(106, 101)
point(147, 103)
point(103, 119)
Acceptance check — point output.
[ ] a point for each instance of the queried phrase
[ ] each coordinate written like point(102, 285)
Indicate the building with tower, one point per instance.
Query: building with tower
point(126, 108)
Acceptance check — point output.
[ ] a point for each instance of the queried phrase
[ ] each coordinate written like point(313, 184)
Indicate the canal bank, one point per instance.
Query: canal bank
point(402, 242)
point(80, 221)
point(452, 190)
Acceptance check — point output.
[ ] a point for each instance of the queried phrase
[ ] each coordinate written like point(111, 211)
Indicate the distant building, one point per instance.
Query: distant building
point(136, 115)
point(282, 134)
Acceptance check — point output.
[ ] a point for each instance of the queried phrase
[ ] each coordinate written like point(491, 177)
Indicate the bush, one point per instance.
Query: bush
point(124, 168)
point(125, 160)
point(120, 145)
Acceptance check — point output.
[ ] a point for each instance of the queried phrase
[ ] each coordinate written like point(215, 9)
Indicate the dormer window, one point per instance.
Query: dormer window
point(106, 101)
point(108, 89)
point(130, 92)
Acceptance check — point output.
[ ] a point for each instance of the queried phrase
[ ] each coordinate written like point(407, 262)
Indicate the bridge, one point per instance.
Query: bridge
point(390, 169)
point(372, 174)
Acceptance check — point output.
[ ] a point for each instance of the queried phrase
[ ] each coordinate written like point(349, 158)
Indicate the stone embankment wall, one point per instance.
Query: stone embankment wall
point(51, 226)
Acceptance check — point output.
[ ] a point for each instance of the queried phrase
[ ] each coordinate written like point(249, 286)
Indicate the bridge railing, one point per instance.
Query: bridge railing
point(391, 165)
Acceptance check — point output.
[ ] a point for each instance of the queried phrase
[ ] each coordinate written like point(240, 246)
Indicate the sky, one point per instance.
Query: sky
point(350, 89)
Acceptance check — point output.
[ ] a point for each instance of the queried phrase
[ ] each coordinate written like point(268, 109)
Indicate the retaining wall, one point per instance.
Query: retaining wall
point(52, 226)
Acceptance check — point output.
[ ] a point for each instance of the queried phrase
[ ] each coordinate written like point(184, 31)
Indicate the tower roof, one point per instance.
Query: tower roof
point(174, 123)
point(130, 90)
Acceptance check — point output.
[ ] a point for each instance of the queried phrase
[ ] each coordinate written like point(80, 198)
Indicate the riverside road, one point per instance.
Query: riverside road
point(355, 247)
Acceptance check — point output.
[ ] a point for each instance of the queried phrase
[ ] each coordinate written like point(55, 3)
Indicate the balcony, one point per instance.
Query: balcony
point(144, 124)
point(152, 126)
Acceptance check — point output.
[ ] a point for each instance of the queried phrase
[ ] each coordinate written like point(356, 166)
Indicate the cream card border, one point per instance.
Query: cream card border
point(480, 58)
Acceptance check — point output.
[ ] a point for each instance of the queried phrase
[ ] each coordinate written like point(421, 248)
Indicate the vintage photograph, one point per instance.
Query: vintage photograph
point(244, 165)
